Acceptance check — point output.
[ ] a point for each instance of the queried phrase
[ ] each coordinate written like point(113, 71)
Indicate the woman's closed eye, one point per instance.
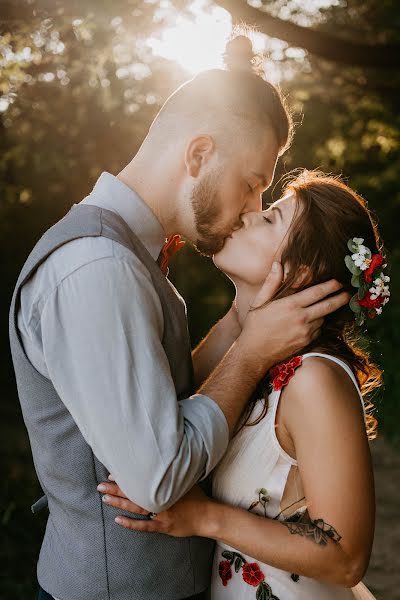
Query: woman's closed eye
point(268, 220)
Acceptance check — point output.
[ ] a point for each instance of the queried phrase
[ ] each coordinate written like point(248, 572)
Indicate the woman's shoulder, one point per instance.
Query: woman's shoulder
point(320, 386)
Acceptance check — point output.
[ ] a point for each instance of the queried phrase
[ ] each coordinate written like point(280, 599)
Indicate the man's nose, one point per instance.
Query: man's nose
point(254, 203)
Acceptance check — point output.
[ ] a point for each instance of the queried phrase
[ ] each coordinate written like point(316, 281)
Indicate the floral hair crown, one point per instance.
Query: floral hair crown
point(370, 279)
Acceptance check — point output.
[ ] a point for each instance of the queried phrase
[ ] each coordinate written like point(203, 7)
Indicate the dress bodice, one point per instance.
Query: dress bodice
point(253, 475)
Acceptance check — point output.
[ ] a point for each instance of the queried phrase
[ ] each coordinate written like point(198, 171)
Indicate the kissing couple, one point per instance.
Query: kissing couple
point(240, 470)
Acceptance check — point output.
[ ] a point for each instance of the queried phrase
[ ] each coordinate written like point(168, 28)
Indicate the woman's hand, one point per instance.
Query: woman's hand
point(185, 518)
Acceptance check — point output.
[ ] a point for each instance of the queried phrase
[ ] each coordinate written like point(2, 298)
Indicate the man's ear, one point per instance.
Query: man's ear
point(198, 153)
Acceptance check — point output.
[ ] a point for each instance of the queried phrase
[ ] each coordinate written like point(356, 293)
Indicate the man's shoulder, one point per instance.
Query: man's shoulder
point(73, 259)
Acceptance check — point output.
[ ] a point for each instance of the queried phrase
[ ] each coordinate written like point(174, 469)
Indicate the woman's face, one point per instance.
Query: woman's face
point(249, 252)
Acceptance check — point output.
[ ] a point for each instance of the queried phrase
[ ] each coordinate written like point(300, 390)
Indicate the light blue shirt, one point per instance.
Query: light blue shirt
point(91, 320)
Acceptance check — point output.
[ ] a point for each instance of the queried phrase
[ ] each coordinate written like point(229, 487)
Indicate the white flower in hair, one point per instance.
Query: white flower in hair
point(378, 311)
point(380, 288)
point(358, 241)
point(360, 261)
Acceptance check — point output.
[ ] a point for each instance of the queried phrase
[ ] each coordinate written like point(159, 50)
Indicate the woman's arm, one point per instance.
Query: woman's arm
point(322, 412)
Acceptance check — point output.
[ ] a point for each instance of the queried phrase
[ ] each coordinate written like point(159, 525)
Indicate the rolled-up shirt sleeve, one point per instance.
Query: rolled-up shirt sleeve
point(101, 330)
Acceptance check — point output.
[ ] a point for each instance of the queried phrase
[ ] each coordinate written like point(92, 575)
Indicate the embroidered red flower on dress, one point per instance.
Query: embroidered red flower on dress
point(377, 260)
point(283, 373)
point(252, 574)
point(225, 571)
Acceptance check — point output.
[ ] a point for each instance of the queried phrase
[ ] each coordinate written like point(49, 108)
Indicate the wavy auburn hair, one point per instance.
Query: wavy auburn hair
point(328, 213)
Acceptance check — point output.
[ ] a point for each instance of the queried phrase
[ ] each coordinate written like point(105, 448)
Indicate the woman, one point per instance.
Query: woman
point(293, 497)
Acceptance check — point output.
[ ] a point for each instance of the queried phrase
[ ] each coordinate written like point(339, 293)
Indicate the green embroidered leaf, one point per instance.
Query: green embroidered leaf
point(351, 266)
point(238, 564)
point(228, 555)
point(240, 556)
point(264, 592)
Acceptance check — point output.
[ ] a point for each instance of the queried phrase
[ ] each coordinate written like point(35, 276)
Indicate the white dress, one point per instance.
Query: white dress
point(255, 461)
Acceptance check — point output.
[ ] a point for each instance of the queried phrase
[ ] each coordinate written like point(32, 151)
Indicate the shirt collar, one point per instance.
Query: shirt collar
point(113, 194)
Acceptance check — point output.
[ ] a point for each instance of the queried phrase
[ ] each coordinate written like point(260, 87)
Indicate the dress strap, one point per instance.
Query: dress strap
point(345, 366)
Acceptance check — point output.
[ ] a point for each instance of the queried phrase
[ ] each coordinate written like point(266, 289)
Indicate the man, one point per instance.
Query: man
point(101, 350)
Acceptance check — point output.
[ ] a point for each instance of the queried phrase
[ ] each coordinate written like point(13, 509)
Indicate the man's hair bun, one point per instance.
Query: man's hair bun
point(239, 55)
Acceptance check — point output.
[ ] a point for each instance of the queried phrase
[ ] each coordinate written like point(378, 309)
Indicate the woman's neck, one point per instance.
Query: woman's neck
point(245, 295)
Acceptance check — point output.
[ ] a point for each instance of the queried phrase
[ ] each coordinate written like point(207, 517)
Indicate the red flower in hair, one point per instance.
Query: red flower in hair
point(225, 571)
point(283, 373)
point(368, 302)
point(376, 261)
point(252, 574)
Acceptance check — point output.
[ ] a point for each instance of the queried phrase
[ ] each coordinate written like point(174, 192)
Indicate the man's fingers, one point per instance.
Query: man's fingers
point(325, 307)
point(270, 286)
point(316, 293)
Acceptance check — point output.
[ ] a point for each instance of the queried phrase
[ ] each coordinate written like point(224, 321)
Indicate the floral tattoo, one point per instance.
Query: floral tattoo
point(316, 530)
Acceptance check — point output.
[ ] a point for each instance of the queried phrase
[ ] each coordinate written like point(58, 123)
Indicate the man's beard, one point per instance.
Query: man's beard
point(207, 208)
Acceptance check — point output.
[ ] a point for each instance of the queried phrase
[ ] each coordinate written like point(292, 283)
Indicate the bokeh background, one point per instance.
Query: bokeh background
point(79, 85)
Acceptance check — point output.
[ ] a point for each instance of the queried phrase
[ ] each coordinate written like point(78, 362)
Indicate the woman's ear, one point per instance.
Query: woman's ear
point(197, 154)
point(302, 278)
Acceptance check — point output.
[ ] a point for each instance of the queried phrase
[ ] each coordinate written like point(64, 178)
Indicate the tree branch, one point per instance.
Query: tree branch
point(320, 43)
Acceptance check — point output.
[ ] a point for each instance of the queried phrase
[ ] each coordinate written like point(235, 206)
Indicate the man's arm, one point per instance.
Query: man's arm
point(101, 331)
point(214, 346)
point(271, 332)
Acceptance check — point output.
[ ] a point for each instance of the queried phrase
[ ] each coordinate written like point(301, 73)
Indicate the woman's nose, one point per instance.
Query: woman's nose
point(247, 218)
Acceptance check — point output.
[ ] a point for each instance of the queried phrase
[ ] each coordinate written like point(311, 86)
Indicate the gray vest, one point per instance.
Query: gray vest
point(84, 554)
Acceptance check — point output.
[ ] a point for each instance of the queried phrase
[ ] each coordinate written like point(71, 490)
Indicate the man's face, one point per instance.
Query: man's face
point(222, 195)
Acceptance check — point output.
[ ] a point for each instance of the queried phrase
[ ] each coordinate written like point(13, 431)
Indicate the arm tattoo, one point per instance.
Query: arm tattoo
point(316, 530)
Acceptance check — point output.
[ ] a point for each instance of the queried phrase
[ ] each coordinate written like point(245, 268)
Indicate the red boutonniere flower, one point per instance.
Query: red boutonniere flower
point(252, 574)
point(377, 260)
point(225, 571)
point(283, 373)
point(171, 246)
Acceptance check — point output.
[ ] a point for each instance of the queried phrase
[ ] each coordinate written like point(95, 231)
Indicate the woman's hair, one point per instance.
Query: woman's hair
point(236, 101)
point(328, 214)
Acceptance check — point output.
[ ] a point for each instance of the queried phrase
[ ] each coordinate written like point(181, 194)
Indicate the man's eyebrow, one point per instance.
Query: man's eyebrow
point(279, 211)
point(262, 178)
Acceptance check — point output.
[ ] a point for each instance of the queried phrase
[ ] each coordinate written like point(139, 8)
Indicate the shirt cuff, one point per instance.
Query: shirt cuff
point(206, 416)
